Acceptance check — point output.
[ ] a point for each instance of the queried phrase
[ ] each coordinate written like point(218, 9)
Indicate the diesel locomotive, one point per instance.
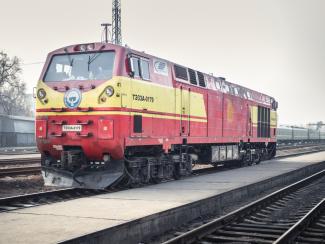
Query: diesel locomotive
point(107, 114)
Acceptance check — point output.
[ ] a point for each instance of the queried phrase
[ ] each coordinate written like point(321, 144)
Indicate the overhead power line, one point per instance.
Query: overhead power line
point(32, 63)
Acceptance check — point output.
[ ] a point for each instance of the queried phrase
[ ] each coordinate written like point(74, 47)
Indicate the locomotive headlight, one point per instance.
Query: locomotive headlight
point(41, 93)
point(109, 91)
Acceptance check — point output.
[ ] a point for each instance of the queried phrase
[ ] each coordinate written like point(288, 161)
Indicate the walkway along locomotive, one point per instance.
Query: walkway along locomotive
point(107, 113)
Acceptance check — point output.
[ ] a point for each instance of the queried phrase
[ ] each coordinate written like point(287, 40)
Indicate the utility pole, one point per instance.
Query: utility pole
point(116, 22)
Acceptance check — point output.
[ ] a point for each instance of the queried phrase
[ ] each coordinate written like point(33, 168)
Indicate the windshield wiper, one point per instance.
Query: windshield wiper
point(89, 62)
point(69, 57)
point(96, 55)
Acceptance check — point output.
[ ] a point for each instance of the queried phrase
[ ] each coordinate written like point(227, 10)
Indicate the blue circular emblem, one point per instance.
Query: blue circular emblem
point(72, 98)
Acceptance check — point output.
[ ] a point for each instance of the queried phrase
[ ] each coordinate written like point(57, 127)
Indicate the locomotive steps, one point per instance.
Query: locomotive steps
point(136, 215)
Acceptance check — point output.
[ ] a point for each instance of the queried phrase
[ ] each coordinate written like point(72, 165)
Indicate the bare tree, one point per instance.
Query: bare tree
point(12, 88)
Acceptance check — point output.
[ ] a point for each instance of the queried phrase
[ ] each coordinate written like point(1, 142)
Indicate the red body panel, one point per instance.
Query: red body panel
point(228, 121)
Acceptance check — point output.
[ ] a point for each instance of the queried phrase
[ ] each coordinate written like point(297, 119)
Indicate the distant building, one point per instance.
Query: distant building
point(16, 131)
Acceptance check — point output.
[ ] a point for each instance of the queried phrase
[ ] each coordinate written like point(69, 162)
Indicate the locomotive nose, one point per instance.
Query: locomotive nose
point(83, 152)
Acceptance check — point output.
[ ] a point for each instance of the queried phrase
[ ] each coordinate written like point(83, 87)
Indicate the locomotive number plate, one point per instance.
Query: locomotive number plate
point(71, 127)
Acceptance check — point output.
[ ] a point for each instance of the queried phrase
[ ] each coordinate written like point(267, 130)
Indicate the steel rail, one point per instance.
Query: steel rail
point(20, 171)
point(298, 146)
point(21, 161)
point(41, 198)
point(19, 151)
point(302, 224)
point(210, 227)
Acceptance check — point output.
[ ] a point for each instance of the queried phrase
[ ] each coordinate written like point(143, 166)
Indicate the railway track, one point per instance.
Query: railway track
point(299, 150)
point(294, 213)
point(20, 166)
point(19, 161)
point(310, 229)
point(297, 146)
point(41, 198)
point(18, 150)
point(15, 171)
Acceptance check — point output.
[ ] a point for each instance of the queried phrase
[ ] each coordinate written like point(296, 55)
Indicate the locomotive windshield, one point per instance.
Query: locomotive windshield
point(81, 66)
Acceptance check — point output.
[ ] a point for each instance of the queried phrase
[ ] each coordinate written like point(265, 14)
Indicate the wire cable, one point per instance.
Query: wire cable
point(32, 63)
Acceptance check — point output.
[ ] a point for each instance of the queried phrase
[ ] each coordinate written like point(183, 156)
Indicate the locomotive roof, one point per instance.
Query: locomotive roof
point(242, 91)
point(210, 80)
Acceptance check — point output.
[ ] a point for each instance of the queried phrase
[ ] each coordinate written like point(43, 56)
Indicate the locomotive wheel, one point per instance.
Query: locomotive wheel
point(156, 180)
point(258, 159)
point(177, 172)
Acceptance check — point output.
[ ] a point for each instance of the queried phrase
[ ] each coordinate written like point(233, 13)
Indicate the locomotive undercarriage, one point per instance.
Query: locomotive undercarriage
point(256, 152)
point(73, 170)
point(153, 170)
point(145, 165)
point(158, 166)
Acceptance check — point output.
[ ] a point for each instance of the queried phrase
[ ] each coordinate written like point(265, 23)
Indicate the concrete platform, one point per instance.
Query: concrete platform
point(136, 211)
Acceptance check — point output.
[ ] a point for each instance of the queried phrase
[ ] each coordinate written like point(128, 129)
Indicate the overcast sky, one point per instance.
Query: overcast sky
point(274, 46)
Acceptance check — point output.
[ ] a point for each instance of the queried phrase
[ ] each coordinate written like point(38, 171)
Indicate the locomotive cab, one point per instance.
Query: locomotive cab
point(76, 95)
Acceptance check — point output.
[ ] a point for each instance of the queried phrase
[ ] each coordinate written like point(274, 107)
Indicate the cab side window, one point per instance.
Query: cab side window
point(135, 67)
point(145, 74)
point(140, 68)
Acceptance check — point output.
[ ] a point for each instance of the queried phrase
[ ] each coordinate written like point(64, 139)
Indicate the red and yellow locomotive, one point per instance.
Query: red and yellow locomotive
point(107, 113)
